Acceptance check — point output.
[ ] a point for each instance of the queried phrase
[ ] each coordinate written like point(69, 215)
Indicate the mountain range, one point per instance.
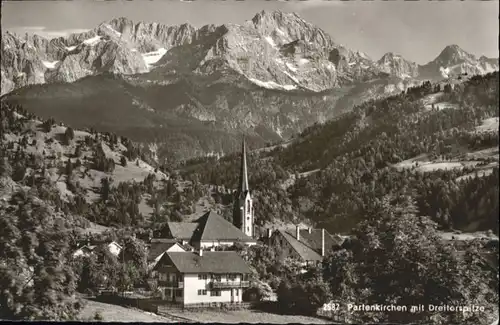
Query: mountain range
point(191, 92)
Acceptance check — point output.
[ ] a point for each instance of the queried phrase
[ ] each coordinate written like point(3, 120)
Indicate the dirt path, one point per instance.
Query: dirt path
point(114, 313)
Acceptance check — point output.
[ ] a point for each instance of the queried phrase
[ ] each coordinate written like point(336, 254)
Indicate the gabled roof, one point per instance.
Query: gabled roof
point(304, 251)
point(182, 230)
point(210, 262)
point(309, 244)
point(212, 226)
point(313, 239)
point(156, 249)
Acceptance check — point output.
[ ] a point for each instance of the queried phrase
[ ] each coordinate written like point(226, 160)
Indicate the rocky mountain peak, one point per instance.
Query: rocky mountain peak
point(275, 15)
point(283, 27)
point(454, 61)
point(389, 56)
point(453, 54)
point(395, 64)
point(121, 24)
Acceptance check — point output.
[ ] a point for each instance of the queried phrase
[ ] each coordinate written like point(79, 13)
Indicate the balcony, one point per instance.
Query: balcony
point(228, 284)
point(171, 284)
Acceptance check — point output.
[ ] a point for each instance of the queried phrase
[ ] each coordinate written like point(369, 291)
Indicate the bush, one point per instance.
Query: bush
point(98, 316)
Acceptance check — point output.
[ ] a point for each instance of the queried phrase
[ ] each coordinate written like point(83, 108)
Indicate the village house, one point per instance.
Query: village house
point(306, 245)
point(159, 246)
point(87, 249)
point(202, 278)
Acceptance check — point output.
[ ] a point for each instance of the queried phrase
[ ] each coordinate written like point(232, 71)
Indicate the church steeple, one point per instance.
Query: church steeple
point(243, 170)
point(243, 207)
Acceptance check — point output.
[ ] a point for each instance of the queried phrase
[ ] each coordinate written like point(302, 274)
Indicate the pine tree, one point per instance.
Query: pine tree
point(69, 135)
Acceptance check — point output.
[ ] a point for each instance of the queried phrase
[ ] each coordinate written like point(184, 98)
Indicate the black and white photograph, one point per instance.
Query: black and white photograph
point(258, 162)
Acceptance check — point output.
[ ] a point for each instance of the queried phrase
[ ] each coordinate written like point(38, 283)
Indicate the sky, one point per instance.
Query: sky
point(417, 30)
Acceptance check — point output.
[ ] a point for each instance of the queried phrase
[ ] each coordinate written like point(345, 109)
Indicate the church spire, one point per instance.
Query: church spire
point(243, 172)
point(243, 216)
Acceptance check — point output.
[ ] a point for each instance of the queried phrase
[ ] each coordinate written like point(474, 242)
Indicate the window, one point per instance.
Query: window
point(202, 292)
point(202, 276)
point(248, 206)
point(237, 293)
point(248, 228)
point(217, 278)
point(215, 293)
point(231, 277)
point(179, 293)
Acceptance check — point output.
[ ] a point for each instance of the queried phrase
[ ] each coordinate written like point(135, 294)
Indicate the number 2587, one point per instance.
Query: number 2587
point(331, 306)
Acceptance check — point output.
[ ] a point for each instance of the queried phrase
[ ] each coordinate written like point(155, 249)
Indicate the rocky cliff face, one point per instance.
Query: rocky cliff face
point(273, 50)
point(396, 65)
point(454, 61)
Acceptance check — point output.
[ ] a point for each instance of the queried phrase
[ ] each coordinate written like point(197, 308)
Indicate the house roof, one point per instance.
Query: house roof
point(209, 262)
point(309, 244)
point(163, 240)
point(212, 226)
point(304, 251)
point(182, 230)
point(157, 248)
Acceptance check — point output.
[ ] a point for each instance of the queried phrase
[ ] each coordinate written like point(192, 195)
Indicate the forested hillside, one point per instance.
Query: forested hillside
point(57, 185)
point(437, 142)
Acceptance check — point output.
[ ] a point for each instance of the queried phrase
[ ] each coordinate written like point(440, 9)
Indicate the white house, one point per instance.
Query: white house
point(86, 250)
point(202, 278)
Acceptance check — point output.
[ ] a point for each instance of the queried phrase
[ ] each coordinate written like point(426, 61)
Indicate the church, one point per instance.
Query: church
point(212, 230)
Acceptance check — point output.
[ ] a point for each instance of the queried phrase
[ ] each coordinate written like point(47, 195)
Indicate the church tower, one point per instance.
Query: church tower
point(243, 207)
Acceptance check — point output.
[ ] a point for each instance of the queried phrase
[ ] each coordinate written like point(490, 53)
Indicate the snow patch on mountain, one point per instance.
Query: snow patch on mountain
point(271, 84)
point(117, 33)
point(445, 72)
point(50, 64)
point(330, 66)
point(291, 77)
point(270, 41)
point(92, 41)
point(152, 57)
point(291, 67)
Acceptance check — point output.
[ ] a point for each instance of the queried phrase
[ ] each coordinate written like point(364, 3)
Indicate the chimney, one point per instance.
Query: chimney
point(323, 242)
point(310, 229)
point(269, 232)
point(201, 251)
point(297, 232)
